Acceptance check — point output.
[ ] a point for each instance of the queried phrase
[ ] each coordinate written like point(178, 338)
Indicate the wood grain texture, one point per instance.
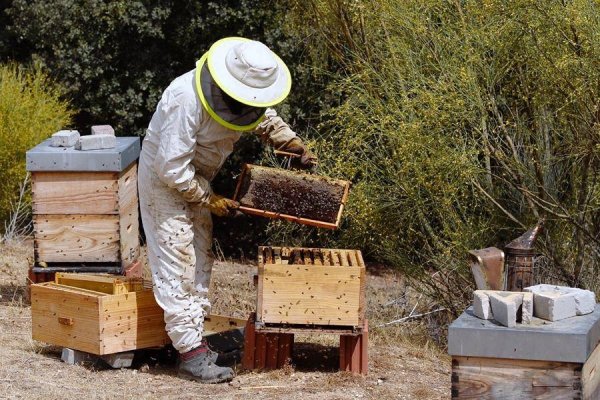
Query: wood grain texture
point(219, 323)
point(101, 323)
point(488, 378)
point(590, 376)
point(51, 302)
point(76, 238)
point(108, 284)
point(75, 192)
point(301, 294)
point(127, 188)
point(131, 321)
point(129, 243)
point(249, 356)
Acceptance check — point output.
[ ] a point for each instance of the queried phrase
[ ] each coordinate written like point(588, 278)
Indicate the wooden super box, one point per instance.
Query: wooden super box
point(301, 286)
point(104, 315)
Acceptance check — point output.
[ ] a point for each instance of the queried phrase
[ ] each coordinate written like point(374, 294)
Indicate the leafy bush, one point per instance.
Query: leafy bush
point(30, 111)
point(115, 58)
point(460, 124)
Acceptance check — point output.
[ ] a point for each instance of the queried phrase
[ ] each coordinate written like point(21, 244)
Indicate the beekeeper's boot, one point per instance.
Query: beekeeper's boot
point(199, 365)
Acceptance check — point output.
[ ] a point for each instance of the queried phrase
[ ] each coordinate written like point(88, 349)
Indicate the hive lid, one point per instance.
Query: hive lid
point(44, 157)
point(568, 340)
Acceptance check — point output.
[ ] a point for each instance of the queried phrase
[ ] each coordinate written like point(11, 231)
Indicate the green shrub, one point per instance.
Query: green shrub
point(30, 111)
point(460, 124)
point(115, 58)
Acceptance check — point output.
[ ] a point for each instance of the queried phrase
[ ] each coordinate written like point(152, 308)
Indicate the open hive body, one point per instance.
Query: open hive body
point(301, 286)
point(104, 314)
point(293, 196)
point(96, 314)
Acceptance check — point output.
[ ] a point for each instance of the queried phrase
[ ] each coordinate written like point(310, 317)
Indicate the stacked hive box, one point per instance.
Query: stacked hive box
point(310, 287)
point(85, 207)
point(558, 360)
point(307, 290)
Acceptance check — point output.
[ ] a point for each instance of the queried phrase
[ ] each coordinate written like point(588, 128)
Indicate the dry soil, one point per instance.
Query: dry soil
point(403, 363)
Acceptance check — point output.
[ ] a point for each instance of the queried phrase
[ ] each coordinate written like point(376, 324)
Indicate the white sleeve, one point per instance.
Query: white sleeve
point(274, 130)
point(177, 140)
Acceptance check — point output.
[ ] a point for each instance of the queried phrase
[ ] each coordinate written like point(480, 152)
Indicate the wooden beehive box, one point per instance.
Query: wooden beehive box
point(300, 286)
point(96, 314)
point(543, 360)
point(85, 207)
point(294, 196)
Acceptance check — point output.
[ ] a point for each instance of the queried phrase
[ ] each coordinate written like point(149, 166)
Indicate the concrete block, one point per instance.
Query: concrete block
point(66, 138)
point(481, 304)
point(505, 306)
point(44, 157)
point(103, 130)
point(585, 301)
point(527, 308)
point(554, 303)
point(73, 357)
point(119, 360)
point(554, 306)
point(96, 142)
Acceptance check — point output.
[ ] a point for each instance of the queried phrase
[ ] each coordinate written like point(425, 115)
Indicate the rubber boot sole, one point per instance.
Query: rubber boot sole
point(194, 378)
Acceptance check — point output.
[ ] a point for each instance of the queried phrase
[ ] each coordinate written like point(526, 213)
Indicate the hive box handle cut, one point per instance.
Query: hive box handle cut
point(248, 207)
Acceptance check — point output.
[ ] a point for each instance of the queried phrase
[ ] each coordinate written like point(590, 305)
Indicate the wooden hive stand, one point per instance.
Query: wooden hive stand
point(303, 290)
point(85, 210)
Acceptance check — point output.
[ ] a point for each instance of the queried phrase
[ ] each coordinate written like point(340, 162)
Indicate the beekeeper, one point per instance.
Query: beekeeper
point(198, 120)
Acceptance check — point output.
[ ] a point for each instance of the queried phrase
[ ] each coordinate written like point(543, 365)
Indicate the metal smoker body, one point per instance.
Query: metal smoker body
point(519, 259)
point(511, 269)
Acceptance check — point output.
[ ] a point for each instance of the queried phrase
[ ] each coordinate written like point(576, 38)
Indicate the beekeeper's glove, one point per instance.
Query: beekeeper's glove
point(307, 159)
point(221, 206)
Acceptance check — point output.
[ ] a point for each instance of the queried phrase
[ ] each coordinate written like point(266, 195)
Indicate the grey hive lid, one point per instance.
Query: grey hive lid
point(44, 157)
point(568, 340)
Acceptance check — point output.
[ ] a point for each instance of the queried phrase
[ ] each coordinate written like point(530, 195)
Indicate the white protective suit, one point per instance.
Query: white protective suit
point(183, 142)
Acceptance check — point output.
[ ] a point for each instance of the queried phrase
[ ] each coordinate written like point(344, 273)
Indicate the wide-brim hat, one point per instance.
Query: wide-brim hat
point(249, 71)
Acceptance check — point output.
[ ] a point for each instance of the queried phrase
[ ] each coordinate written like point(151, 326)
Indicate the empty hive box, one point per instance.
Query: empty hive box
point(293, 196)
point(96, 314)
point(303, 286)
point(85, 207)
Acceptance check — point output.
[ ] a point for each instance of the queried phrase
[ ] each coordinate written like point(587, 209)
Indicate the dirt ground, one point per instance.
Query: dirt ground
point(404, 364)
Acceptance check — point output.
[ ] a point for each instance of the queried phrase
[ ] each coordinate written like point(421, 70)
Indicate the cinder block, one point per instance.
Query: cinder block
point(66, 138)
point(96, 142)
point(559, 302)
point(481, 304)
point(119, 360)
point(552, 303)
point(73, 357)
point(505, 306)
point(527, 308)
point(585, 301)
point(103, 130)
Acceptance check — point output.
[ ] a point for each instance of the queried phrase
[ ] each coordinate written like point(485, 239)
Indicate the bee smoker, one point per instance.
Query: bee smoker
point(519, 259)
